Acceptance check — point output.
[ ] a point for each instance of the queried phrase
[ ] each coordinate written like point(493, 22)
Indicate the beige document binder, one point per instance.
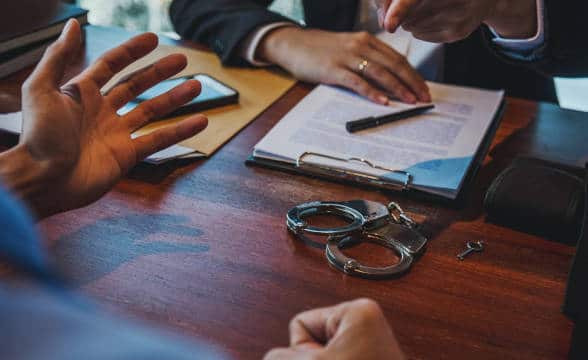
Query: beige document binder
point(258, 89)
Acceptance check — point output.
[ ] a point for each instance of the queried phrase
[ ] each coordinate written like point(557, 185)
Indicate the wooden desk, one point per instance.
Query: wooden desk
point(202, 248)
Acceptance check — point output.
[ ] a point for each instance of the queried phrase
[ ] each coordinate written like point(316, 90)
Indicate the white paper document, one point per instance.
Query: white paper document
point(12, 123)
point(436, 148)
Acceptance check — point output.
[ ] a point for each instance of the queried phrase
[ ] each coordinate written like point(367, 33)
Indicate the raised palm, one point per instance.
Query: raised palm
point(74, 132)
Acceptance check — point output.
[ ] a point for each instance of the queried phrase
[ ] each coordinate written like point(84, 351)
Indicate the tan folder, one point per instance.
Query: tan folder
point(258, 89)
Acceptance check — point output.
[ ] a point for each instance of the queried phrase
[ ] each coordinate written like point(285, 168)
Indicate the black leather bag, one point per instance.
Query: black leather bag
point(539, 197)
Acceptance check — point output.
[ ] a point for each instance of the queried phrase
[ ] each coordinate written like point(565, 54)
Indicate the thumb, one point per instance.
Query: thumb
point(300, 352)
point(381, 10)
point(51, 69)
point(397, 12)
point(313, 326)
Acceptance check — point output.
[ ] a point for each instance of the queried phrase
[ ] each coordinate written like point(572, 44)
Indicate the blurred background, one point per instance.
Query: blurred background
point(152, 15)
point(139, 15)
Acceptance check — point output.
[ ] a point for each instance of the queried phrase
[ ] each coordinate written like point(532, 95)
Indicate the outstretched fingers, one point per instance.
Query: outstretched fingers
point(168, 136)
point(119, 58)
point(135, 84)
point(162, 105)
point(159, 107)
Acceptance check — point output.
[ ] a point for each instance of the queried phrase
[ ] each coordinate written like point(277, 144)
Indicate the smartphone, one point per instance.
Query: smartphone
point(214, 94)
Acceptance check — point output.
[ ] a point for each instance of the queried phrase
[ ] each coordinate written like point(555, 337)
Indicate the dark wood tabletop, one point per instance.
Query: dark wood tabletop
point(201, 247)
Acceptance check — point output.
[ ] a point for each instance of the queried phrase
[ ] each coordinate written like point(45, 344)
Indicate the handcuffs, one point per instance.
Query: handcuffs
point(368, 221)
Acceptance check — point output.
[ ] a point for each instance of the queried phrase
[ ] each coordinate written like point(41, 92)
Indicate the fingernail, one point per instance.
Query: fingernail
point(191, 127)
point(189, 88)
point(205, 122)
point(410, 98)
point(383, 99)
point(425, 97)
point(67, 27)
point(392, 24)
point(200, 125)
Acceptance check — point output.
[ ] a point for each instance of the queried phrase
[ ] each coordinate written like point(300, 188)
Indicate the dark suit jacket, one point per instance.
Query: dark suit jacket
point(223, 24)
point(565, 52)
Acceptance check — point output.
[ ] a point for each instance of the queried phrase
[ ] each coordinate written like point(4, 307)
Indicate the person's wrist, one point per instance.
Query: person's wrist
point(514, 19)
point(26, 177)
point(275, 45)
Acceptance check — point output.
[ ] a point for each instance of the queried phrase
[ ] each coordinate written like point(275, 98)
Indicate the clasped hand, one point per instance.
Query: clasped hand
point(453, 20)
point(351, 330)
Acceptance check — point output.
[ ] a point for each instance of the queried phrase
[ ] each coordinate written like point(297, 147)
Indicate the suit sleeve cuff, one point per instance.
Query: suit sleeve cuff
point(251, 43)
point(524, 46)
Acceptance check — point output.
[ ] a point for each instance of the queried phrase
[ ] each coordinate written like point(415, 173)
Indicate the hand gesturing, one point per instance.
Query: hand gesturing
point(72, 136)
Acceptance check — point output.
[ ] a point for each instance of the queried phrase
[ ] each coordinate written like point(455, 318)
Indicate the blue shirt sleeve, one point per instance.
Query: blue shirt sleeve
point(41, 319)
point(20, 243)
point(524, 49)
point(42, 323)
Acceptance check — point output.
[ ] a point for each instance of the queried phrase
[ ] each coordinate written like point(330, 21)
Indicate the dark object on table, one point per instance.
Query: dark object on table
point(539, 197)
point(577, 292)
point(22, 49)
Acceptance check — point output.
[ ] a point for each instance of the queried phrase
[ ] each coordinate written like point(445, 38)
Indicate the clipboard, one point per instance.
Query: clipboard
point(369, 181)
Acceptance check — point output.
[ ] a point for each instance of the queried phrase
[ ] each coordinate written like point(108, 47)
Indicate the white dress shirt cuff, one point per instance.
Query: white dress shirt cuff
point(525, 45)
point(252, 41)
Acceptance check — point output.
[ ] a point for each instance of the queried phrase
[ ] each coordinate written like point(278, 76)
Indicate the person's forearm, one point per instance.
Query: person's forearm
point(276, 46)
point(25, 177)
point(515, 19)
point(221, 25)
point(249, 47)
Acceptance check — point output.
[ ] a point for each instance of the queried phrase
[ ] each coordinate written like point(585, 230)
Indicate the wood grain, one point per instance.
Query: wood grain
point(201, 247)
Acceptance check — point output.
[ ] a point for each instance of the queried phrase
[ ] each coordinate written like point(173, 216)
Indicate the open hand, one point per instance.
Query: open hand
point(73, 143)
point(352, 330)
point(334, 58)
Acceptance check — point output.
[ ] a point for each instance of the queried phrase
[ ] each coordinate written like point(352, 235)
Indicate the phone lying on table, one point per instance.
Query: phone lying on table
point(214, 94)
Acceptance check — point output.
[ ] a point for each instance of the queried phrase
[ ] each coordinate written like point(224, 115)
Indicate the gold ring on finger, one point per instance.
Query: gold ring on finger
point(362, 66)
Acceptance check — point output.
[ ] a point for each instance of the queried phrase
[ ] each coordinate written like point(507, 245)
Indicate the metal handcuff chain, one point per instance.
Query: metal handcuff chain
point(387, 226)
point(399, 216)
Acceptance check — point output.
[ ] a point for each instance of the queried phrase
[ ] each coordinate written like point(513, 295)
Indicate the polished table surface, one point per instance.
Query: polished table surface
point(201, 247)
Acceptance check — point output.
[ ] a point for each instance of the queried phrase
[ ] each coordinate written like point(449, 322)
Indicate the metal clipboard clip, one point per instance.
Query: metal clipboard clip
point(354, 175)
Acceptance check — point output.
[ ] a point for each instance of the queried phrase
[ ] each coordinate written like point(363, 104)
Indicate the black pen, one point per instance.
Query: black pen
point(373, 121)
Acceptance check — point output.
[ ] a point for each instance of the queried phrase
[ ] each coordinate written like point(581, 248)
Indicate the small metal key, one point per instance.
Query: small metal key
point(473, 246)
